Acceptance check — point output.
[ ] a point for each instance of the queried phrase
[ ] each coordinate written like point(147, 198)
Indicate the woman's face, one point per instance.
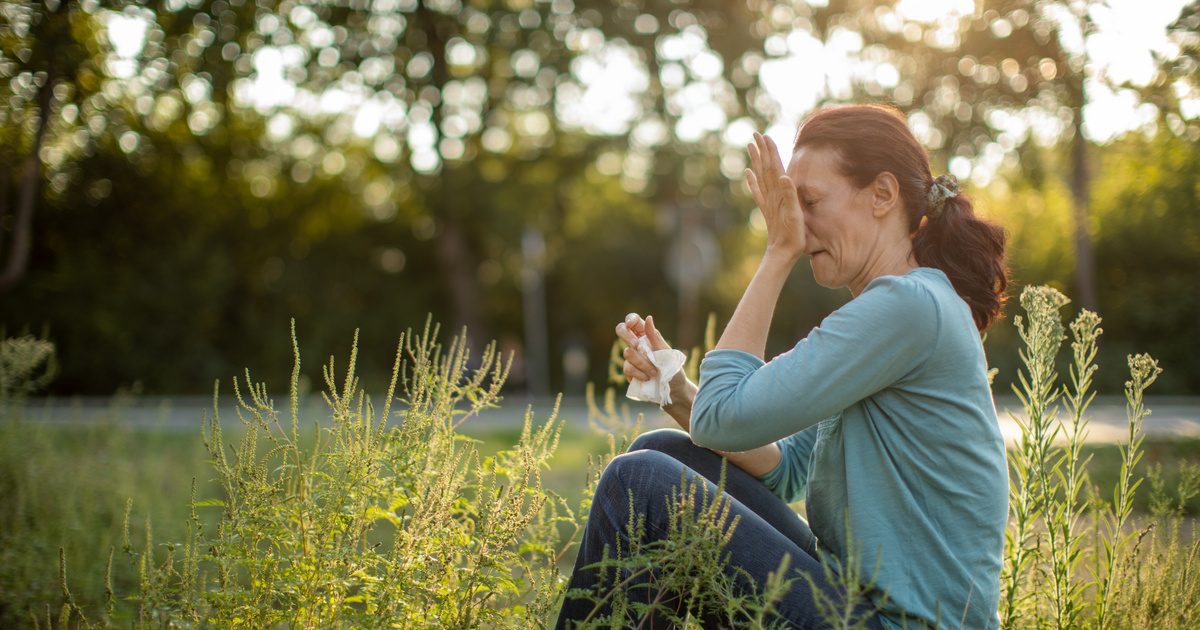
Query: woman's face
point(842, 232)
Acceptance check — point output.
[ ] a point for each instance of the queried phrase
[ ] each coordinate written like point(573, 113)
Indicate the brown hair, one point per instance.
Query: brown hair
point(872, 139)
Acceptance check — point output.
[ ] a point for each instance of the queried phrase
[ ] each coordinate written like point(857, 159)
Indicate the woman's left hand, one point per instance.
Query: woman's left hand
point(776, 197)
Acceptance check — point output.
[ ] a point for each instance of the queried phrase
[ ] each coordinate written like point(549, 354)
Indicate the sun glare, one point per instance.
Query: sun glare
point(931, 10)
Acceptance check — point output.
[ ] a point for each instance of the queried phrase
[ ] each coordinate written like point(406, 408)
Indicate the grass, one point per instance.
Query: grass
point(67, 486)
point(355, 521)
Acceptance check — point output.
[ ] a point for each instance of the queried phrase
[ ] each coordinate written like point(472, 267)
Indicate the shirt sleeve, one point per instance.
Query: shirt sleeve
point(870, 343)
point(789, 479)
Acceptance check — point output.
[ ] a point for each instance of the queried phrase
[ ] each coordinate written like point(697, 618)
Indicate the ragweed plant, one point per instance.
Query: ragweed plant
point(1143, 370)
point(387, 516)
point(1062, 502)
point(374, 516)
point(1159, 584)
point(1053, 575)
point(1042, 334)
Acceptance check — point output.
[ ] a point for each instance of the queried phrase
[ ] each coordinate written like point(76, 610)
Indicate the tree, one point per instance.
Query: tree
point(41, 58)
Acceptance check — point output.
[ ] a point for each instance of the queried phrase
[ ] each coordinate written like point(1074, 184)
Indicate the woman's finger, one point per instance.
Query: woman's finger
point(656, 339)
point(755, 159)
point(791, 214)
point(767, 158)
point(755, 190)
point(773, 157)
point(639, 361)
point(760, 156)
point(626, 335)
point(789, 198)
point(635, 324)
point(632, 372)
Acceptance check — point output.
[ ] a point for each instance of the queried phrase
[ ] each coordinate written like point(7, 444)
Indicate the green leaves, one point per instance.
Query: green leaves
point(1045, 545)
point(304, 538)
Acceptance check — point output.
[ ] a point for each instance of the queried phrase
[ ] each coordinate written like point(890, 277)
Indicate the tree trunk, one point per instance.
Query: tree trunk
point(4, 192)
point(456, 260)
point(1085, 268)
point(27, 196)
point(456, 264)
point(533, 302)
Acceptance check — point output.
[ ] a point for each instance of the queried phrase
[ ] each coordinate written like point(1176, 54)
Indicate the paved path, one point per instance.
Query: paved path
point(1170, 416)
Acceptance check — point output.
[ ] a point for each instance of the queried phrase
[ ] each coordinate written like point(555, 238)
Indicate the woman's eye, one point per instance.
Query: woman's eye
point(810, 202)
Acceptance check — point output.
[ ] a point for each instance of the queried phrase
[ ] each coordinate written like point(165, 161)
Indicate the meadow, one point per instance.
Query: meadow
point(408, 515)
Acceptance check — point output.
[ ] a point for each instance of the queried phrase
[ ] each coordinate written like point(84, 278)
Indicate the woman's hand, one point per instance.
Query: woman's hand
point(683, 391)
point(637, 366)
point(776, 197)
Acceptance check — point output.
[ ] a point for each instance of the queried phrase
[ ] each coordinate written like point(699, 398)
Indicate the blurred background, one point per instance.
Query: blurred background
point(179, 179)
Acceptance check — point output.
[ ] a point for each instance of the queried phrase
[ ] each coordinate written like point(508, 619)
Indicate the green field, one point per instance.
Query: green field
point(67, 486)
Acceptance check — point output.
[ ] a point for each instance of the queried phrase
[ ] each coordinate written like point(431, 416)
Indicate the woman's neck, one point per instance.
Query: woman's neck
point(893, 261)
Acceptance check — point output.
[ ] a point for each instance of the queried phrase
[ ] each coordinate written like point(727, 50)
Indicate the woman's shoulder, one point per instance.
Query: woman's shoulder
point(929, 295)
point(900, 307)
point(920, 289)
point(914, 292)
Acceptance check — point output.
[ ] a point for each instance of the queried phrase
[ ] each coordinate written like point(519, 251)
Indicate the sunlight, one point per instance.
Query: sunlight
point(799, 72)
point(932, 10)
point(127, 34)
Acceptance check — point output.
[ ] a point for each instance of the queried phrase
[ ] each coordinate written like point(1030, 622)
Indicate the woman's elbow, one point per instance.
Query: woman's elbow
point(706, 432)
point(727, 442)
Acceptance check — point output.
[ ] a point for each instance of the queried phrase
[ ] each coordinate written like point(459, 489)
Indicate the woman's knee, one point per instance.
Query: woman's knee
point(639, 468)
point(664, 440)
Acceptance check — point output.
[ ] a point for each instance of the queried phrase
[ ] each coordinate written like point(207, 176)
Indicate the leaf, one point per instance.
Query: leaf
point(374, 513)
point(398, 502)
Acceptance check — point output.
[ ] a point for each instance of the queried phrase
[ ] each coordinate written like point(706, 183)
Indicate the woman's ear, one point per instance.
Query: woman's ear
point(885, 194)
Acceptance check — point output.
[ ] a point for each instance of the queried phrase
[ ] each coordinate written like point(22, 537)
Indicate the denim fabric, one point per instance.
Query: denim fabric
point(768, 528)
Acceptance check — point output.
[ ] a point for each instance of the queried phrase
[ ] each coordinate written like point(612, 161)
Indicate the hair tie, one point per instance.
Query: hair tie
point(943, 187)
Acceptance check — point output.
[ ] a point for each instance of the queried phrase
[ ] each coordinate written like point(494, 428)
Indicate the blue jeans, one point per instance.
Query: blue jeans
point(768, 528)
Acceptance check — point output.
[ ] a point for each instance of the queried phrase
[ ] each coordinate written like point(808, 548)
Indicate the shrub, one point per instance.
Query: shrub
point(27, 364)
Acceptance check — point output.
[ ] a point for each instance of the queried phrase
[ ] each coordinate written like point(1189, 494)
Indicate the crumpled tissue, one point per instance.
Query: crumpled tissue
point(658, 390)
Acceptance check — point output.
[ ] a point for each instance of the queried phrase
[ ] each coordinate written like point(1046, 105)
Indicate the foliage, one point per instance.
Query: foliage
point(373, 520)
point(1147, 244)
point(27, 365)
point(1148, 254)
point(1073, 560)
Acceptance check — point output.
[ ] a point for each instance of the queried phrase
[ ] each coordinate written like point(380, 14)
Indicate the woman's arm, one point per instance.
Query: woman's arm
point(757, 462)
point(747, 329)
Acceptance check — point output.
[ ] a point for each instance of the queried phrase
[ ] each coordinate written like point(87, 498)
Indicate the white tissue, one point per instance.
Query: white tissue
point(658, 390)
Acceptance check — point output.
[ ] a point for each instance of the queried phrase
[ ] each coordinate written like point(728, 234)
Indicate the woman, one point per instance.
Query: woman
point(881, 419)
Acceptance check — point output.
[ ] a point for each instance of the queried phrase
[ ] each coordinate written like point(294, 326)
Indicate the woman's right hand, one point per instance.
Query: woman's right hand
point(636, 365)
point(776, 197)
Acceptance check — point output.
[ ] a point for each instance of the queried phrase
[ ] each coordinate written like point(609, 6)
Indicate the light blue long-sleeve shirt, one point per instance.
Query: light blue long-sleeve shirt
point(887, 428)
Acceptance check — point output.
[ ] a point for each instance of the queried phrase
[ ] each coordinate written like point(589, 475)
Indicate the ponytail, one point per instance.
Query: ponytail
point(970, 251)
